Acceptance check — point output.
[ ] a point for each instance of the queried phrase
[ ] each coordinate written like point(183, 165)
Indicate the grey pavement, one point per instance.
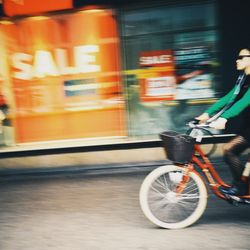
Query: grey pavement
point(100, 211)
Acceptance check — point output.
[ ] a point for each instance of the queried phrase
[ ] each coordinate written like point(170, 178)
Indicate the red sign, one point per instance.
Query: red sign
point(28, 7)
point(159, 84)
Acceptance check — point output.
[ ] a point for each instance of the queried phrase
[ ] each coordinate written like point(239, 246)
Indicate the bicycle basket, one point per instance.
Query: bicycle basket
point(178, 147)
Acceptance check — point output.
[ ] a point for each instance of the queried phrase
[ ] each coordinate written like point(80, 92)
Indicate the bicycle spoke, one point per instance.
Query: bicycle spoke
point(189, 196)
point(190, 188)
point(157, 191)
point(185, 202)
point(167, 183)
point(161, 184)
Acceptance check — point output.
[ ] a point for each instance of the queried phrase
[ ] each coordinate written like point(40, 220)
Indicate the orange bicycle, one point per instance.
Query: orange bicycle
point(175, 196)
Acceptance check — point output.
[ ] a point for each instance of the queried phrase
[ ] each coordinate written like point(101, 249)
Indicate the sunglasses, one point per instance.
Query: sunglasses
point(241, 57)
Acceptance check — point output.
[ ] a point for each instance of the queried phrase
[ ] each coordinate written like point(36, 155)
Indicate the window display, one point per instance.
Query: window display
point(65, 75)
point(165, 90)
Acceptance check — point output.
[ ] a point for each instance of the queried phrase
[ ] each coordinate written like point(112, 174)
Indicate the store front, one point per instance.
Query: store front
point(104, 73)
point(171, 64)
point(65, 76)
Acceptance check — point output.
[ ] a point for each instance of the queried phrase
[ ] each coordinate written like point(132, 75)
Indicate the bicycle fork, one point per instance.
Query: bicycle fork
point(185, 179)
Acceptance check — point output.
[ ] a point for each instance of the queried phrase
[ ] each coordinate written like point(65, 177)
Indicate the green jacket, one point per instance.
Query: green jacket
point(235, 109)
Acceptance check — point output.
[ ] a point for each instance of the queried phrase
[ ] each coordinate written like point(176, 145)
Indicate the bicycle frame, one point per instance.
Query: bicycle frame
point(209, 171)
point(175, 195)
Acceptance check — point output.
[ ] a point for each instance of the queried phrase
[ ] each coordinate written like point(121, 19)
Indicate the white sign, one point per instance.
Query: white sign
point(160, 86)
point(154, 60)
point(44, 63)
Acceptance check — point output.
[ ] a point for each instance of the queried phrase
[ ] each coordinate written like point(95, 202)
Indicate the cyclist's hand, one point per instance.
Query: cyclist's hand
point(202, 118)
point(220, 123)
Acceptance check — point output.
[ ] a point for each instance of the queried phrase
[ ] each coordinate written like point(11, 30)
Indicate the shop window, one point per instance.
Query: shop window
point(179, 76)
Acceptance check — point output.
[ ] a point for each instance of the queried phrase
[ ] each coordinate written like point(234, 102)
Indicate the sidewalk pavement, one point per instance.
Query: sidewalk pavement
point(83, 161)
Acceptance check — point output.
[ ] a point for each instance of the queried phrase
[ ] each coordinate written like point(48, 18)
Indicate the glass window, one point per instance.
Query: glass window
point(170, 64)
point(169, 19)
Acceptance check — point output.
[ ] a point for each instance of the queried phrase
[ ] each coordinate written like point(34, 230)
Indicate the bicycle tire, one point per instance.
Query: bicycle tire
point(156, 193)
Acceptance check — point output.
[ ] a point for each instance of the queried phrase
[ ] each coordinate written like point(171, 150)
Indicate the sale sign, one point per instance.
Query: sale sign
point(46, 63)
point(157, 58)
point(160, 84)
point(65, 75)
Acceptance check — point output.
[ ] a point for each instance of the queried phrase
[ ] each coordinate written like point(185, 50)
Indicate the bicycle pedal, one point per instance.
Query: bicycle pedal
point(233, 200)
point(236, 201)
point(247, 201)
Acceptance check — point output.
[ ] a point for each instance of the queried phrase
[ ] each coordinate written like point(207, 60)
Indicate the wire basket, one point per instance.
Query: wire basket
point(178, 147)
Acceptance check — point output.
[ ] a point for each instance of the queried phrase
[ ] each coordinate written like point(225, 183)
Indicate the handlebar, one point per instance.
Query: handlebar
point(196, 124)
point(197, 129)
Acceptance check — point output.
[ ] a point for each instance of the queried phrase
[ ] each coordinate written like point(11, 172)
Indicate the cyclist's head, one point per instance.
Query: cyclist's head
point(243, 60)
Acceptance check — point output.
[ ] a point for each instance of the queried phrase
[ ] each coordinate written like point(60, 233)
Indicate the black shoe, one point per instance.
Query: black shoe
point(238, 189)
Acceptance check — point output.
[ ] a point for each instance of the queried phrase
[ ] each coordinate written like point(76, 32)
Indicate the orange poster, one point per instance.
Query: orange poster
point(65, 74)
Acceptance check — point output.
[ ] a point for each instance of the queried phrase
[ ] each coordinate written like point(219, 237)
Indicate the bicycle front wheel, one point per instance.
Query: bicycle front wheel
point(167, 208)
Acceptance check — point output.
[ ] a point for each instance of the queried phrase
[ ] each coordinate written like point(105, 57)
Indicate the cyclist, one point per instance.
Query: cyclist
point(241, 104)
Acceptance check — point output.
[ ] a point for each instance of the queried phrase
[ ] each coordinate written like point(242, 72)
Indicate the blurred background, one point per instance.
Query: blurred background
point(102, 70)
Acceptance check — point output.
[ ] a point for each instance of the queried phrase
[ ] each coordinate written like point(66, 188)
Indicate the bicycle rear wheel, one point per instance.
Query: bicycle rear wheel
point(166, 208)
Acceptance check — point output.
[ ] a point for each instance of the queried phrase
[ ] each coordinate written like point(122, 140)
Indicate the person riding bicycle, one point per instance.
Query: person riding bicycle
point(240, 105)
